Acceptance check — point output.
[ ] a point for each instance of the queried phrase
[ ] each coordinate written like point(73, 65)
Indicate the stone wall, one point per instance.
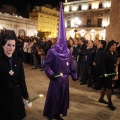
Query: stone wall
point(113, 30)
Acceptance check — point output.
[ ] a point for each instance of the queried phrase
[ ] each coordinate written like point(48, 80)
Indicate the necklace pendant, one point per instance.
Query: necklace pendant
point(67, 63)
point(11, 72)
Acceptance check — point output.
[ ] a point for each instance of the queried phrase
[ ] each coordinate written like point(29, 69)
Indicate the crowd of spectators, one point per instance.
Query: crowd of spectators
point(86, 55)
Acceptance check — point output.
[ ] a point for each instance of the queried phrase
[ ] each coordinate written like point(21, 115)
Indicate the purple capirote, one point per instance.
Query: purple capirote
point(59, 60)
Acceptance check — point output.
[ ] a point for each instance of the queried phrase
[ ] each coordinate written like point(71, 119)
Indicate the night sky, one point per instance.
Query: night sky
point(21, 4)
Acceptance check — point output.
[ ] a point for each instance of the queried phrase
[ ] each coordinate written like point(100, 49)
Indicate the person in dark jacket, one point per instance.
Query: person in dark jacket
point(80, 48)
point(97, 64)
point(12, 81)
point(108, 64)
point(47, 46)
point(88, 56)
point(34, 52)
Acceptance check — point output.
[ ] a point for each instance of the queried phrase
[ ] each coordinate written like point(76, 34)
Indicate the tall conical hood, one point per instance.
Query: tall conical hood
point(61, 30)
point(60, 49)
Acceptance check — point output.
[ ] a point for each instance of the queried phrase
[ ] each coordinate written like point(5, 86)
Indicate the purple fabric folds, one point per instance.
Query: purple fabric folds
point(59, 60)
point(57, 101)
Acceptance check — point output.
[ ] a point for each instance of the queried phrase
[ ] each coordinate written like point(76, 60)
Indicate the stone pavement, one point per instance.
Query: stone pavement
point(84, 103)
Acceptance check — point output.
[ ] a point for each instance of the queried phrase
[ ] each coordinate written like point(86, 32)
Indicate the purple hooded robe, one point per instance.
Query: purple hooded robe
point(59, 60)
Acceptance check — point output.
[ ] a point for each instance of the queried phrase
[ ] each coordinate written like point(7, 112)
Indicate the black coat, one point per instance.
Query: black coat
point(12, 89)
point(108, 62)
point(74, 53)
point(98, 67)
point(88, 56)
point(81, 49)
point(108, 65)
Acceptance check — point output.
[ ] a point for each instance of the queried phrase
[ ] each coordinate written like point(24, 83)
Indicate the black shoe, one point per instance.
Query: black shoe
point(116, 93)
point(83, 83)
point(111, 106)
point(89, 85)
point(58, 117)
point(103, 101)
point(97, 88)
point(49, 118)
point(41, 70)
point(34, 67)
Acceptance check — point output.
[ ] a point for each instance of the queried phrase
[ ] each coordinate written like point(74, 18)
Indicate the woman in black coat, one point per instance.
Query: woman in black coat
point(108, 63)
point(12, 81)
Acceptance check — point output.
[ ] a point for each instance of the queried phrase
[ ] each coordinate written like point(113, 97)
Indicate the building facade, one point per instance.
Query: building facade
point(21, 26)
point(48, 19)
point(88, 18)
point(113, 30)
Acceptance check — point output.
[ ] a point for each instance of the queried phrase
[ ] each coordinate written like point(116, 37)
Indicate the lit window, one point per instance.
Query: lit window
point(66, 9)
point(74, 7)
point(95, 5)
point(84, 6)
point(106, 4)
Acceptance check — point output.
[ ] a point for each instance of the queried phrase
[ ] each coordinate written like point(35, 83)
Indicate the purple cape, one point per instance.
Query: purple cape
point(59, 60)
point(57, 101)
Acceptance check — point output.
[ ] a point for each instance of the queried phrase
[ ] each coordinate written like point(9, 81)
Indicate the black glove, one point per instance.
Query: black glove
point(53, 77)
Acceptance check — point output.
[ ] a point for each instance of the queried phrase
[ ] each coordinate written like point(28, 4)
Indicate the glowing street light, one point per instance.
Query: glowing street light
point(75, 23)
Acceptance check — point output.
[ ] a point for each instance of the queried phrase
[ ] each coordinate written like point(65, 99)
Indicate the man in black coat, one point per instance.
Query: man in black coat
point(88, 56)
point(80, 48)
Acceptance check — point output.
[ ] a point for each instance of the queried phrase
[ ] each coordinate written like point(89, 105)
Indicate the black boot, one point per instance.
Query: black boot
point(103, 101)
point(111, 106)
point(58, 117)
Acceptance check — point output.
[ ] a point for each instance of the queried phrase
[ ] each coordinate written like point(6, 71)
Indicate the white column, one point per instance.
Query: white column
point(92, 34)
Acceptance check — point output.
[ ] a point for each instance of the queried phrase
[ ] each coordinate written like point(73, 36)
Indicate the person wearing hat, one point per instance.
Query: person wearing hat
point(59, 65)
point(12, 80)
point(108, 64)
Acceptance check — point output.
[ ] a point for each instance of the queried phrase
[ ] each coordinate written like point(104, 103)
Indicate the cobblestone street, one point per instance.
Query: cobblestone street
point(84, 103)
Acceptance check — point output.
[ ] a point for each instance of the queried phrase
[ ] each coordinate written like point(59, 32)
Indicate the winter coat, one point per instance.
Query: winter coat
point(12, 89)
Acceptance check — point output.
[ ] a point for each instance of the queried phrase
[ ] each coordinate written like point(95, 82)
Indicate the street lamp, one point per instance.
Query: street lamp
point(75, 22)
point(75, 30)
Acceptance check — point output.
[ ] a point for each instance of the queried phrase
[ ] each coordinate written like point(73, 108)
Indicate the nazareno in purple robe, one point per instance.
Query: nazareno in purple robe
point(58, 60)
